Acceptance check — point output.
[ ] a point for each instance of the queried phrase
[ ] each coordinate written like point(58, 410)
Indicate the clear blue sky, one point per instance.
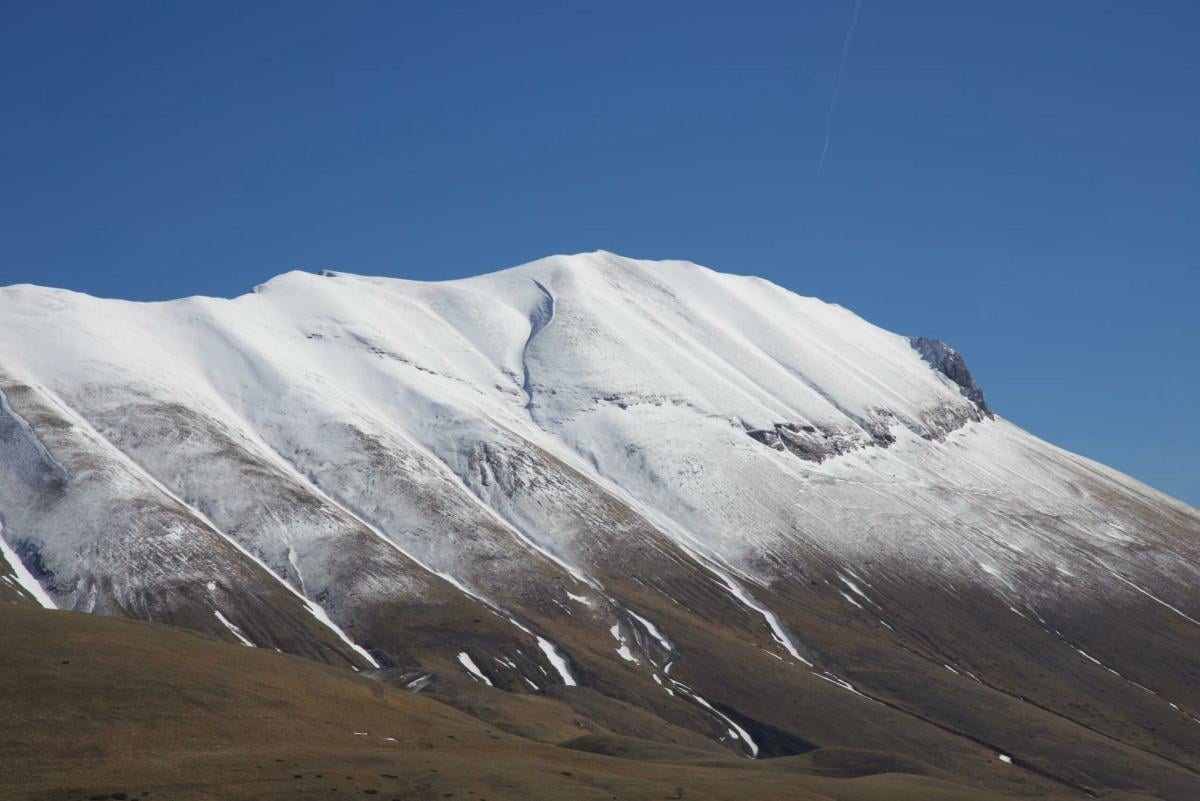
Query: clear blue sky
point(1021, 179)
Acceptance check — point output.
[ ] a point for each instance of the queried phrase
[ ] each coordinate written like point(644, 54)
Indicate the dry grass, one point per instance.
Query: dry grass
point(94, 707)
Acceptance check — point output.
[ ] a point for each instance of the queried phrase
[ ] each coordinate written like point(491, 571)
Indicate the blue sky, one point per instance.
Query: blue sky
point(1021, 179)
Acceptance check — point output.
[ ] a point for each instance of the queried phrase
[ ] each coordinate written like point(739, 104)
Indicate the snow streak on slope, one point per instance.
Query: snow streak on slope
point(467, 662)
point(234, 630)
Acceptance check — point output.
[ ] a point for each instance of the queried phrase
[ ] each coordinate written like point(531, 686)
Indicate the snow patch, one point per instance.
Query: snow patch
point(466, 661)
point(557, 661)
point(735, 730)
point(622, 646)
point(652, 630)
point(850, 599)
point(840, 682)
point(854, 588)
point(777, 630)
point(234, 630)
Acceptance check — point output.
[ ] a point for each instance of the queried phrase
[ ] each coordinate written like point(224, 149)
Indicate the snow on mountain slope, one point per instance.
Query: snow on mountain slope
point(645, 477)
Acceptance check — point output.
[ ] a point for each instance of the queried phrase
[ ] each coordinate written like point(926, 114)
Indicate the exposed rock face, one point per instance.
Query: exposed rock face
point(947, 361)
point(815, 444)
point(747, 514)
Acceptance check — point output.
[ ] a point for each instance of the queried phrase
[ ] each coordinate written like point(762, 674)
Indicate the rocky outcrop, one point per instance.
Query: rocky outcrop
point(949, 362)
point(815, 444)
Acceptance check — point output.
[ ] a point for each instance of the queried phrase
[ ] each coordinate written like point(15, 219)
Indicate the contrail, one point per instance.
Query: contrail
point(837, 87)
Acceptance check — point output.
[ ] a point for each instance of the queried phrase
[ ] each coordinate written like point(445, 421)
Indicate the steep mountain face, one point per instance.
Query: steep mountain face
point(753, 515)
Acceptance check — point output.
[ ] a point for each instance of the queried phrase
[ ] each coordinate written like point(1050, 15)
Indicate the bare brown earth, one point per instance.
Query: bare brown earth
point(102, 708)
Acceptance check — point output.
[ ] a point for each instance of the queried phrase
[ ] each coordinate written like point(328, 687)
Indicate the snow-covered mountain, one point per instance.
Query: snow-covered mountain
point(753, 514)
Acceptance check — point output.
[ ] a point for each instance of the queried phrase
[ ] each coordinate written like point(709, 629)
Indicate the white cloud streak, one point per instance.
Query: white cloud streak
point(837, 87)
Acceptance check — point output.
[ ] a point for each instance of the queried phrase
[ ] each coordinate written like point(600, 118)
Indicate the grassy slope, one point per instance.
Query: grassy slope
point(93, 706)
